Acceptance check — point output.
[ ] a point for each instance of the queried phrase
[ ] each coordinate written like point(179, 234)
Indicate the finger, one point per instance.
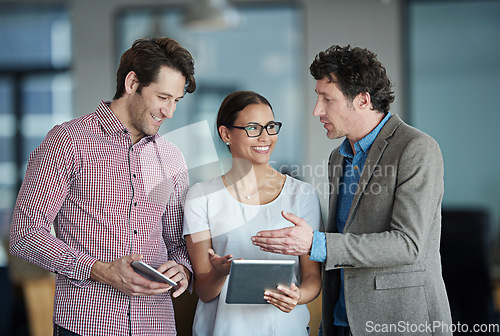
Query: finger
point(225, 258)
point(150, 292)
point(288, 302)
point(149, 288)
point(128, 259)
point(180, 276)
point(278, 250)
point(211, 253)
point(212, 256)
point(222, 261)
point(274, 244)
point(170, 269)
point(176, 273)
point(272, 233)
point(181, 289)
point(278, 304)
point(280, 296)
point(287, 291)
point(167, 266)
point(269, 241)
point(294, 293)
point(294, 288)
point(134, 257)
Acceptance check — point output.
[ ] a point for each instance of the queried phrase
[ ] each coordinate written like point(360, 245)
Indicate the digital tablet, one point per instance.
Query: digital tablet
point(150, 273)
point(248, 279)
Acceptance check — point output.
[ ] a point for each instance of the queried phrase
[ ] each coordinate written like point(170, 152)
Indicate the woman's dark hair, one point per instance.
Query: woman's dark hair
point(147, 56)
point(355, 70)
point(234, 103)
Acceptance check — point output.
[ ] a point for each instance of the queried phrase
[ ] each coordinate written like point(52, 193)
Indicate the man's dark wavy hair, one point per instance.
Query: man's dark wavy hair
point(355, 70)
point(147, 56)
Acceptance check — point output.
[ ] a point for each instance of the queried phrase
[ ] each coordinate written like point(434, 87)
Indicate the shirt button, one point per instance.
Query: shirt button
point(134, 175)
point(135, 231)
point(355, 167)
point(135, 203)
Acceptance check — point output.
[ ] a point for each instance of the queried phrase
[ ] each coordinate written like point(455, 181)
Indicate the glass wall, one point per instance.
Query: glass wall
point(454, 73)
point(264, 53)
point(35, 90)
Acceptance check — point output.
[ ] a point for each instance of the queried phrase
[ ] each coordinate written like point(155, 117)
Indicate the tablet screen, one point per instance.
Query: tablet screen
point(248, 279)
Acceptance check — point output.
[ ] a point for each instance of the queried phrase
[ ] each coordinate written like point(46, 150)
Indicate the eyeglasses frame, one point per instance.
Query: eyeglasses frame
point(279, 123)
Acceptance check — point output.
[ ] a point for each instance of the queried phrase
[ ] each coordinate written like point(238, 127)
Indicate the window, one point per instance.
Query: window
point(247, 57)
point(35, 89)
point(454, 72)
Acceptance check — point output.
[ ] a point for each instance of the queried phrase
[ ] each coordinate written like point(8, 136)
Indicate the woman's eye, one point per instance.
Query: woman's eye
point(251, 128)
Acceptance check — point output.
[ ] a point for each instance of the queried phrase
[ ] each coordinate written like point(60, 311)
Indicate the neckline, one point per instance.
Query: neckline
point(285, 185)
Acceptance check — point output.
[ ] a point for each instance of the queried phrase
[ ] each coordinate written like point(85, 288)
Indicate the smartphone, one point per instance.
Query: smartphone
point(150, 273)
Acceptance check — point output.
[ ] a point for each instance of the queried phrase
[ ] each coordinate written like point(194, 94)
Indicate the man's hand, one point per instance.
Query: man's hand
point(177, 272)
point(295, 240)
point(120, 275)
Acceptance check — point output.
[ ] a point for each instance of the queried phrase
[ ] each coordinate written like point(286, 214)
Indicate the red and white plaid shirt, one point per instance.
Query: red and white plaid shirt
point(106, 199)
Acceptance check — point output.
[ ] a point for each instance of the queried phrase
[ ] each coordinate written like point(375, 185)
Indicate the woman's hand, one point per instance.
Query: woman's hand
point(285, 299)
point(221, 265)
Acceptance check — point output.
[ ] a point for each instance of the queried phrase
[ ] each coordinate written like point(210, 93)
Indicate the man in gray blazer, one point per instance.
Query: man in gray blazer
point(380, 247)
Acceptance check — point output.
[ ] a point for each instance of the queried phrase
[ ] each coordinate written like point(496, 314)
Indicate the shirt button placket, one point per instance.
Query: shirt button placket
point(134, 248)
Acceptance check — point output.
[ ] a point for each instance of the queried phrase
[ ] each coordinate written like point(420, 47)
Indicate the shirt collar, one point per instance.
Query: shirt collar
point(108, 120)
point(364, 144)
point(111, 124)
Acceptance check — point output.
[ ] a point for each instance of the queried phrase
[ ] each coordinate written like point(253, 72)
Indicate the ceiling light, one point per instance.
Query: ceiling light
point(211, 15)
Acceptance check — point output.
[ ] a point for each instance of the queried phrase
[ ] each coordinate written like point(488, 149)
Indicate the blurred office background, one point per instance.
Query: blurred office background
point(58, 59)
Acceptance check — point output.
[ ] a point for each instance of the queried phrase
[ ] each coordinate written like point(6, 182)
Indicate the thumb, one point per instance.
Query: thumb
point(212, 255)
point(134, 257)
point(295, 220)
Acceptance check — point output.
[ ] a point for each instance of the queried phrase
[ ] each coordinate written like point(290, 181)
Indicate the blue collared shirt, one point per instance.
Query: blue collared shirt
point(348, 183)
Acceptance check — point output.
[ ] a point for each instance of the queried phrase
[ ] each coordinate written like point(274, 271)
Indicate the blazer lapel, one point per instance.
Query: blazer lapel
point(335, 170)
point(374, 155)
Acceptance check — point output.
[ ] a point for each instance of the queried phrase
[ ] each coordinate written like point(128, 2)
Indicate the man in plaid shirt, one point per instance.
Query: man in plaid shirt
point(114, 191)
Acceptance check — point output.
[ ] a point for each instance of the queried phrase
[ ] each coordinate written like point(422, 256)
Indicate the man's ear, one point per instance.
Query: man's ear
point(131, 82)
point(363, 101)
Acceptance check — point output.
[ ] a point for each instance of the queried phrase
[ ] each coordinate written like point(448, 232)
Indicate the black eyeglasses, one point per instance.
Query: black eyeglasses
point(255, 130)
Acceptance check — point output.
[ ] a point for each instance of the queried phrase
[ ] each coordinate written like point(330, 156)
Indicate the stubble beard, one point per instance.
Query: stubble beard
point(139, 117)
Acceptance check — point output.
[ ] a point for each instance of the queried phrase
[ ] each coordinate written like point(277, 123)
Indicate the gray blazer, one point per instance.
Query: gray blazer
point(389, 249)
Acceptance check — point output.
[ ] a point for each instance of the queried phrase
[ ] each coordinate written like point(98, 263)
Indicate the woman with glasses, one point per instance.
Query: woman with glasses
point(221, 216)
